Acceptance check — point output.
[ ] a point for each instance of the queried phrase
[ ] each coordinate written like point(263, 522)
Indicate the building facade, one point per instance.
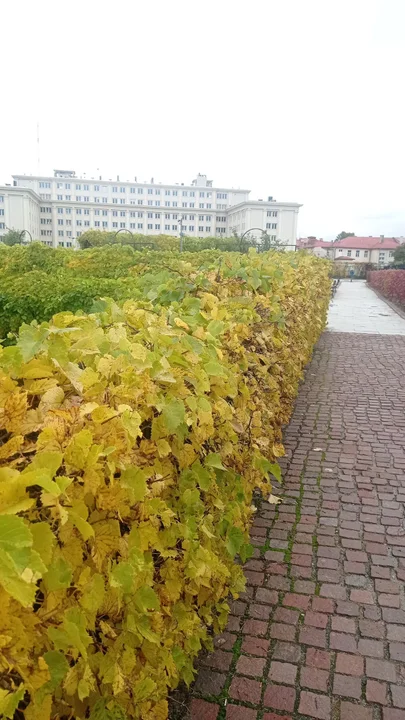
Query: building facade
point(369, 250)
point(58, 209)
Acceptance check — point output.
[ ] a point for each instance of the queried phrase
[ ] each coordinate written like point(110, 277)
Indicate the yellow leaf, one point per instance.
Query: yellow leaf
point(278, 450)
point(11, 447)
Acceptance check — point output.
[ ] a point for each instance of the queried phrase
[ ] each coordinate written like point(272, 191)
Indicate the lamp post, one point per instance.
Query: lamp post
point(23, 233)
point(181, 232)
point(123, 230)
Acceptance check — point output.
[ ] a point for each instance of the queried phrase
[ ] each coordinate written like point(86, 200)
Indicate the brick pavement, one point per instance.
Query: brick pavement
point(320, 631)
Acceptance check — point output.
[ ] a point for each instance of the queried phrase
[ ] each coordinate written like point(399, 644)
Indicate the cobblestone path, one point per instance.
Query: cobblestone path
point(320, 632)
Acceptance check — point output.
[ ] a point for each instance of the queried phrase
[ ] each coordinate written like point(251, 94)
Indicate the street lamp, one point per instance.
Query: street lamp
point(23, 233)
point(123, 230)
point(180, 222)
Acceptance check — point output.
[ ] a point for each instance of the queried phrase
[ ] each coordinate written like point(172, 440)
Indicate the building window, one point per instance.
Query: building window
point(78, 222)
point(132, 226)
point(150, 191)
point(167, 227)
point(174, 216)
point(58, 185)
point(86, 187)
point(78, 187)
point(115, 224)
point(349, 253)
point(174, 192)
point(357, 253)
point(157, 192)
point(59, 197)
point(192, 193)
point(222, 196)
point(192, 205)
point(157, 215)
point(122, 225)
point(78, 211)
point(191, 228)
point(167, 192)
point(184, 193)
point(207, 229)
point(68, 211)
point(122, 201)
point(115, 201)
point(274, 226)
point(184, 204)
point(150, 226)
point(105, 224)
point(140, 226)
point(122, 213)
point(157, 203)
point(140, 191)
point(86, 198)
point(97, 188)
point(208, 218)
point(87, 223)
point(104, 212)
point(45, 185)
point(140, 202)
point(60, 233)
point(86, 212)
point(97, 199)
point(67, 186)
point(97, 212)
point(69, 233)
point(150, 215)
point(150, 202)
point(191, 217)
point(174, 204)
point(68, 222)
point(202, 194)
point(200, 228)
point(97, 223)
point(174, 227)
point(157, 227)
point(60, 211)
point(115, 189)
point(68, 197)
point(104, 200)
point(122, 189)
point(167, 203)
point(140, 213)
point(132, 190)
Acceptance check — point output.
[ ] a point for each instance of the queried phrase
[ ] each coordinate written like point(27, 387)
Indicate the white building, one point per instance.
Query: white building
point(58, 209)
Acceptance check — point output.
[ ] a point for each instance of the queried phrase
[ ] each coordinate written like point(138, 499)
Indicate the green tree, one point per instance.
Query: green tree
point(342, 235)
point(399, 255)
point(13, 237)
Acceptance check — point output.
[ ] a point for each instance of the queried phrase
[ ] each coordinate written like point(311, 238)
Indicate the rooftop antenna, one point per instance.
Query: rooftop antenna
point(38, 151)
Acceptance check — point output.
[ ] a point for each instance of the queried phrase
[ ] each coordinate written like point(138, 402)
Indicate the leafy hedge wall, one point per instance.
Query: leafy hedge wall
point(390, 283)
point(131, 441)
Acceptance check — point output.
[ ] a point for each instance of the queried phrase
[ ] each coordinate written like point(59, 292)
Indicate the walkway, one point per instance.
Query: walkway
point(320, 632)
point(356, 308)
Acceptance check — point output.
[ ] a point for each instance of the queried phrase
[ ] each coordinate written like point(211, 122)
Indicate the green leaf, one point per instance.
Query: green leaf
point(9, 701)
point(146, 599)
point(12, 582)
point(122, 576)
point(173, 415)
point(203, 476)
point(14, 533)
point(43, 540)
point(214, 369)
point(59, 575)
point(216, 327)
point(214, 460)
point(234, 540)
point(135, 479)
point(93, 594)
point(31, 339)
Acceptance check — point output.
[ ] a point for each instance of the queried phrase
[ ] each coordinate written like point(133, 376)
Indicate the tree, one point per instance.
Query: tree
point(342, 235)
point(13, 237)
point(399, 255)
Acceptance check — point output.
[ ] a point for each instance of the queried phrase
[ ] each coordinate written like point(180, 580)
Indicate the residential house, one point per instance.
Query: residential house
point(315, 246)
point(374, 250)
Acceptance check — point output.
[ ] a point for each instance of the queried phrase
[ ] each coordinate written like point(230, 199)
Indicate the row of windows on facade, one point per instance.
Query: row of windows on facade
point(157, 203)
point(271, 226)
point(133, 190)
point(133, 226)
point(348, 253)
point(132, 213)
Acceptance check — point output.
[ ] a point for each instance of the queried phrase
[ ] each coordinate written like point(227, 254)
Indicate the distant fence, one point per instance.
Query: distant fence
point(390, 283)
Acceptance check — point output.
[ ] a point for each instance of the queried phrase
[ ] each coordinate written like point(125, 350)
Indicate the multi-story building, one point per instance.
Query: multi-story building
point(353, 249)
point(58, 209)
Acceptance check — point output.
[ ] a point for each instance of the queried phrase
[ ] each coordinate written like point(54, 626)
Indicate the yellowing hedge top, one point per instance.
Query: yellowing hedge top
point(131, 442)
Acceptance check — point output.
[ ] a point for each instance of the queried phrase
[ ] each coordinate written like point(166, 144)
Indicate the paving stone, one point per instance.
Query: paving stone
point(245, 689)
point(202, 710)
point(279, 697)
point(283, 672)
point(314, 705)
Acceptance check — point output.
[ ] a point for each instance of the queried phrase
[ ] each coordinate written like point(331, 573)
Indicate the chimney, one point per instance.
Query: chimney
point(135, 180)
point(118, 178)
point(99, 177)
point(151, 181)
point(381, 238)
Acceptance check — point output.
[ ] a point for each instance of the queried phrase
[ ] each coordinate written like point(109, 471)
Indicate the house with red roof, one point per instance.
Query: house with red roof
point(374, 250)
point(315, 246)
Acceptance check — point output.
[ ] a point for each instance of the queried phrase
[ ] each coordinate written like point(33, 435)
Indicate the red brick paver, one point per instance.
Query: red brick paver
point(320, 631)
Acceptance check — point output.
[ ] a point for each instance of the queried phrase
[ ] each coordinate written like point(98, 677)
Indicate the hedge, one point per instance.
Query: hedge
point(132, 440)
point(390, 283)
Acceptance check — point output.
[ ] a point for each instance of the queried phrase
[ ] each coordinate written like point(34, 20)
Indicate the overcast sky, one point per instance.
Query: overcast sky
point(299, 99)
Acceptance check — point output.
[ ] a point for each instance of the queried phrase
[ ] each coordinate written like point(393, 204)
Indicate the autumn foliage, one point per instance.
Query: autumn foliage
point(390, 283)
point(131, 440)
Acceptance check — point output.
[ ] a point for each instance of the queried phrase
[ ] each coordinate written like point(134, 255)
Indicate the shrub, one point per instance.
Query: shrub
point(132, 440)
point(390, 283)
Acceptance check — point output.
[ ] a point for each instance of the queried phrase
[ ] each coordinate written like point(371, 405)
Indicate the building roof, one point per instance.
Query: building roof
point(313, 242)
point(367, 243)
